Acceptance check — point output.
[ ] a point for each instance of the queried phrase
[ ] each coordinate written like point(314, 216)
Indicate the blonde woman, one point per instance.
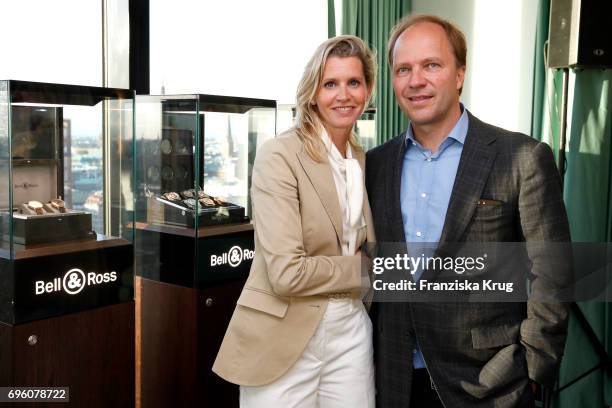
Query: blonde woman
point(300, 336)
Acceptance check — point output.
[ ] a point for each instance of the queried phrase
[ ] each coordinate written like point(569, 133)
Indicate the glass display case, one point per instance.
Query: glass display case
point(365, 129)
point(66, 198)
point(194, 156)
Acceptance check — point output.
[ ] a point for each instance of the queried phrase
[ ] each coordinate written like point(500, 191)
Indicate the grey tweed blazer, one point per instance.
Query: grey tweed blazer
point(478, 354)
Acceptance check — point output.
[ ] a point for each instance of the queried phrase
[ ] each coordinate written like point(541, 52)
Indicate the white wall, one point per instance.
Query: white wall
point(501, 38)
point(51, 41)
point(240, 48)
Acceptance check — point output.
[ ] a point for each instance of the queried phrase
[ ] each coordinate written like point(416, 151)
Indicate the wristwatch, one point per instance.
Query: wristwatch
point(190, 202)
point(172, 196)
point(165, 146)
point(58, 204)
point(36, 206)
point(207, 201)
point(167, 173)
point(153, 173)
point(181, 148)
point(219, 201)
point(182, 172)
point(188, 193)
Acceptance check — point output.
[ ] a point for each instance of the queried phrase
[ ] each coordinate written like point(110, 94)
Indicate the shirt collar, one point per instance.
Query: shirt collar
point(458, 133)
point(331, 148)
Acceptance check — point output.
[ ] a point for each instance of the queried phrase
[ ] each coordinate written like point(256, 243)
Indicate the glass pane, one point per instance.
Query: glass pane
point(166, 163)
point(232, 132)
point(5, 166)
point(194, 157)
point(83, 161)
point(120, 150)
point(57, 135)
point(365, 129)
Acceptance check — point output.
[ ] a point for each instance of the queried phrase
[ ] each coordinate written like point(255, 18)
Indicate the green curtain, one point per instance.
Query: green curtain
point(372, 20)
point(331, 19)
point(545, 119)
point(588, 188)
point(588, 197)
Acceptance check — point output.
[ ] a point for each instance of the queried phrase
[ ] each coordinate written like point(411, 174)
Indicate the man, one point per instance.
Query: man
point(452, 178)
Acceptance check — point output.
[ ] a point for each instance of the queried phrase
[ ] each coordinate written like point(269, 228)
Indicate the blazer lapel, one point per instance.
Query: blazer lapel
point(474, 167)
point(322, 180)
point(367, 211)
point(394, 208)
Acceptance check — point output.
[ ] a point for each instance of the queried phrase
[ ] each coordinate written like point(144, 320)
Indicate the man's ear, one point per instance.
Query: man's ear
point(460, 77)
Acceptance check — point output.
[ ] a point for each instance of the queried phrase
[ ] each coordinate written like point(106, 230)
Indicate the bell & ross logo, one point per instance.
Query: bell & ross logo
point(25, 185)
point(233, 257)
point(73, 282)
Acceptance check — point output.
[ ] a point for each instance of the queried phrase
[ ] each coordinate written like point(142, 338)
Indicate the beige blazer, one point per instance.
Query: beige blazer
point(297, 262)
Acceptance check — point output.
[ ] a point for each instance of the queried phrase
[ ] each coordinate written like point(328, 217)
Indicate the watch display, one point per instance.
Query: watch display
point(67, 162)
point(165, 146)
point(207, 202)
point(172, 196)
point(182, 173)
point(207, 146)
point(37, 206)
point(153, 174)
point(190, 202)
point(167, 173)
point(58, 204)
point(188, 193)
point(34, 207)
point(181, 148)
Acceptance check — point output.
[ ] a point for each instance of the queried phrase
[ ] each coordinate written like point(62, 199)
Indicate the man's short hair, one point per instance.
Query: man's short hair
point(453, 33)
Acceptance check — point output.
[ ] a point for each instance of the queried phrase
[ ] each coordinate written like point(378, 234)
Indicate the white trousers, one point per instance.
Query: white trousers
point(336, 369)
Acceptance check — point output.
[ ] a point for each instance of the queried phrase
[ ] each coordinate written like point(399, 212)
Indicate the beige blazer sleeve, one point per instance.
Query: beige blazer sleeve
point(278, 201)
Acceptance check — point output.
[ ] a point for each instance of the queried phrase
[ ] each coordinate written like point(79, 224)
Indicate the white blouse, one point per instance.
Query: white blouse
point(348, 178)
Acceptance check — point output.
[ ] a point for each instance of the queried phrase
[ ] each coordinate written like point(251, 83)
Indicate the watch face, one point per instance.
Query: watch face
point(190, 202)
point(207, 202)
point(182, 173)
point(165, 146)
point(35, 204)
point(153, 173)
point(172, 196)
point(181, 148)
point(167, 173)
point(188, 194)
point(220, 202)
point(56, 202)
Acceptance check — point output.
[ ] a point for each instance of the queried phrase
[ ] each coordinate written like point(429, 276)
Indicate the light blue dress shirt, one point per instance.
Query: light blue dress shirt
point(426, 187)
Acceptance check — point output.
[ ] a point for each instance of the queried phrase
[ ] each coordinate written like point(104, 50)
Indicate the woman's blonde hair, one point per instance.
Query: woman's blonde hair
point(308, 123)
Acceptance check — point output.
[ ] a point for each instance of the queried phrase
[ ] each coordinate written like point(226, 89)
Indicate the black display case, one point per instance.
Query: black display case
point(54, 227)
point(66, 249)
point(194, 238)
